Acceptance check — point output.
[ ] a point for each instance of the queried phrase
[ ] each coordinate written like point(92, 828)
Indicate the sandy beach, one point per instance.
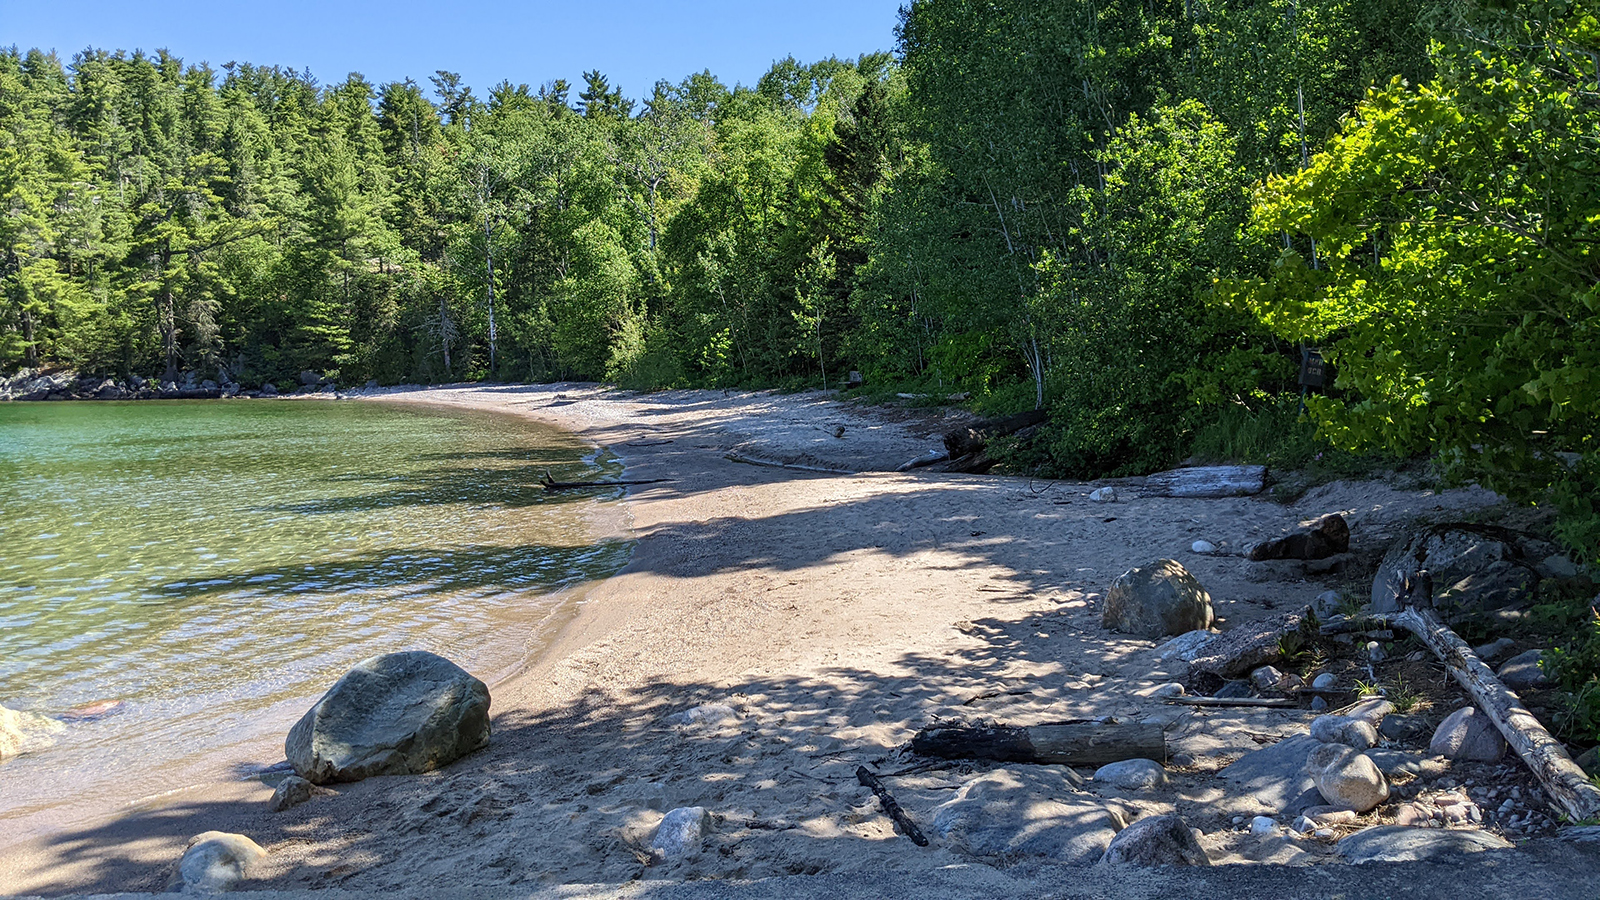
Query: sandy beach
point(776, 628)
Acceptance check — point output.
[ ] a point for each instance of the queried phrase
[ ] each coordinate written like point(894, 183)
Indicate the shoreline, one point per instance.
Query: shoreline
point(774, 629)
point(57, 789)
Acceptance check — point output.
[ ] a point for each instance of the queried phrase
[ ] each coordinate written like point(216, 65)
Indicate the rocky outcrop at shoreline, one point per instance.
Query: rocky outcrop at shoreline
point(39, 385)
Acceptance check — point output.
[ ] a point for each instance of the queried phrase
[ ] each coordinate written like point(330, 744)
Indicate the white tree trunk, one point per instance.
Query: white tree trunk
point(1566, 784)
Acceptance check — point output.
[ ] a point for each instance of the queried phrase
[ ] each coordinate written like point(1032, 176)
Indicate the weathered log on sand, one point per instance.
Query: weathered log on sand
point(1063, 743)
point(967, 441)
point(926, 459)
point(890, 807)
point(971, 464)
point(1261, 702)
point(1205, 482)
point(1562, 779)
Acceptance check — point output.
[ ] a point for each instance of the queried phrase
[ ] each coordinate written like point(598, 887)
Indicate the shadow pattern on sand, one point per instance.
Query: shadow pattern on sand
point(778, 774)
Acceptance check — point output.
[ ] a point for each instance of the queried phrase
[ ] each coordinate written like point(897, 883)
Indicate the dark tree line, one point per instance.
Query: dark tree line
point(1030, 201)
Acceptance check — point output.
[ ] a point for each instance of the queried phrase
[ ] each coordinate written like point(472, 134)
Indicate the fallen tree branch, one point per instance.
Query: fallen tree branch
point(550, 484)
point(926, 459)
point(1065, 743)
point(1562, 779)
point(890, 807)
point(734, 456)
point(1272, 702)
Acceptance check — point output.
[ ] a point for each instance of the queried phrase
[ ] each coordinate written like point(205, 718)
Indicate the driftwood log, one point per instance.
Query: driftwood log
point(891, 808)
point(1262, 702)
point(1205, 482)
point(550, 484)
point(968, 446)
point(1196, 482)
point(1063, 743)
point(1562, 779)
point(926, 459)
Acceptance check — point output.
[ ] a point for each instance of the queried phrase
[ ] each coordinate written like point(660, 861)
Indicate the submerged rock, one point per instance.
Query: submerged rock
point(396, 714)
point(21, 732)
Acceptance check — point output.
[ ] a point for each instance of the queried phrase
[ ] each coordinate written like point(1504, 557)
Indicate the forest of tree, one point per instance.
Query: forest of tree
point(1133, 213)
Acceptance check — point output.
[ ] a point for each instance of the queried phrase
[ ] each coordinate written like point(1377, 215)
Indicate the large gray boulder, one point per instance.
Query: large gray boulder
point(1156, 600)
point(1008, 815)
point(396, 714)
point(1276, 776)
point(1522, 672)
point(1475, 568)
point(1467, 734)
point(1156, 841)
point(1397, 843)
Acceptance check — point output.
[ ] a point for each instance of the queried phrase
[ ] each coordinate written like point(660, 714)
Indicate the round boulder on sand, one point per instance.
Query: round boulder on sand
point(1347, 779)
point(216, 861)
point(395, 714)
point(1156, 841)
point(1132, 774)
point(1157, 600)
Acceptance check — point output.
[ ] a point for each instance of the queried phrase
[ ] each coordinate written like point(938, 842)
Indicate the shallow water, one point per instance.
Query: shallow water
point(197, 572)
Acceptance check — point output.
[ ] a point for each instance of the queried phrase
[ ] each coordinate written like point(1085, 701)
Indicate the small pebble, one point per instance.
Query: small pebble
point(1203, 547)
point(1318, 704)
point(1304, 825)
point(1261, 825)
point(1238, 820)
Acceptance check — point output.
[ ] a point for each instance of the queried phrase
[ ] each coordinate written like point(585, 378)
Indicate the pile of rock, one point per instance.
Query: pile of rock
point(35, 385)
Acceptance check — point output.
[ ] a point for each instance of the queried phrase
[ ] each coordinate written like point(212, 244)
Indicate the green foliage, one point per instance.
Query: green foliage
point(1453, 282)
point(1030, 202)
point(1575, 668)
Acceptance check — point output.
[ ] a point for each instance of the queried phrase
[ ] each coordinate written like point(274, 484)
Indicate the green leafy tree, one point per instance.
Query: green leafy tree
point(1458, 281)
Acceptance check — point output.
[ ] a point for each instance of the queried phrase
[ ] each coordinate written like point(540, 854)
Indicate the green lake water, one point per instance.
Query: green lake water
point(212, 567)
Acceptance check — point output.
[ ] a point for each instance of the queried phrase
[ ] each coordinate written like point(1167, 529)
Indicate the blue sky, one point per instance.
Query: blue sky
point(635, 42)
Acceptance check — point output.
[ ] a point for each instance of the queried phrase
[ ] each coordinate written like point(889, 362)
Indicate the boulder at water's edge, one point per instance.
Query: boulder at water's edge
point(395, 714)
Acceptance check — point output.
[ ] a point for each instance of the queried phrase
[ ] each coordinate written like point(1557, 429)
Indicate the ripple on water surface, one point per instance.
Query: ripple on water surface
point(211, 567)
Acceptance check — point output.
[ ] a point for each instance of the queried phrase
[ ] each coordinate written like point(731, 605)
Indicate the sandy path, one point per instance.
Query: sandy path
point(834, 614)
